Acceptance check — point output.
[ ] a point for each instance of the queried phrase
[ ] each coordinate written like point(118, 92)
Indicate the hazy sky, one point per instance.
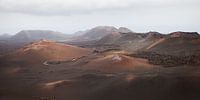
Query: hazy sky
point(69, 16)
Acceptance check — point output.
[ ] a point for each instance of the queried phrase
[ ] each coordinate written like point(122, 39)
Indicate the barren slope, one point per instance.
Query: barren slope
point(46, 50)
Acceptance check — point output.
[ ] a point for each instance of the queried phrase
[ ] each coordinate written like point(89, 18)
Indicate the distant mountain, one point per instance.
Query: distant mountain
point(153, 42)
point(105, 37)
point(34, 35)
point(130, 41)
point(5, 36)
point(9, 43)
point(99, 32)
point(80, 33)
point(124, 30)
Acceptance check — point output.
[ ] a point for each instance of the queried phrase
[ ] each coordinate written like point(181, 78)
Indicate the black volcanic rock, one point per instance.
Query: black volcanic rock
point(169, 60)
point(184, 34)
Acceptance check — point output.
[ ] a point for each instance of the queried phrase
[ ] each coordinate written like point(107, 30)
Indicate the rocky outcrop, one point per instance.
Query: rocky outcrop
point(184, 34)
point(152, 34)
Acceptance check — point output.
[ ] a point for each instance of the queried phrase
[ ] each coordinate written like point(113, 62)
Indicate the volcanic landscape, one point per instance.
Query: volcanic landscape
point(102, 63)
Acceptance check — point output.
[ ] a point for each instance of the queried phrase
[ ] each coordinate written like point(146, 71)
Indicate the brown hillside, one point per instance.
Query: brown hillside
point(46, 50)
point(118, 63)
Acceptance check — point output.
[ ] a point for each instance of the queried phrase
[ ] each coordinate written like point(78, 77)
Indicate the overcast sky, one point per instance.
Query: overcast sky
point(69, 16)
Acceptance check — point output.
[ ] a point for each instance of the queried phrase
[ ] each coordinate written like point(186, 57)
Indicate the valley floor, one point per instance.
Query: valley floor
point(69, 81)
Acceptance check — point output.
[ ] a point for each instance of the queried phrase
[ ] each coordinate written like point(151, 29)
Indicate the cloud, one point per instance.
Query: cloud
point(67, 7)
point(139, 15)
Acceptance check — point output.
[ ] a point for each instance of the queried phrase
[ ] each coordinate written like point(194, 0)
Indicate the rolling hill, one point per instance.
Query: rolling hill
point(40, 51)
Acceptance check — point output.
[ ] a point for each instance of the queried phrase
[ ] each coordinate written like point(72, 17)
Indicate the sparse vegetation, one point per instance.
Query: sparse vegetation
point(169, 60)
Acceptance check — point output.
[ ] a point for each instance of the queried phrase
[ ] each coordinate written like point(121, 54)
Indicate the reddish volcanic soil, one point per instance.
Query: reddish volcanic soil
point(118, 63)
point(84, 75)
point(43, 50)
point(67, 81)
